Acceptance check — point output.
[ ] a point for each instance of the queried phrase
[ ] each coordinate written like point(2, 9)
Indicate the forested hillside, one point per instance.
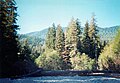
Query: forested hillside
point(106, 34)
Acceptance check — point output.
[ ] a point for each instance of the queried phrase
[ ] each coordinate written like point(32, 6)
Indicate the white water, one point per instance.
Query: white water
point(63, 79)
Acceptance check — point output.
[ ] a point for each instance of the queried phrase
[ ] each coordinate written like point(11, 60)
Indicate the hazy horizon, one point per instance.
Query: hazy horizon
point(36, 15)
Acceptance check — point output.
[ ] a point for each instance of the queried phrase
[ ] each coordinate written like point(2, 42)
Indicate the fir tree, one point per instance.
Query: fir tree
point(60, 39)
point(86, 39)
point(8, 36)
point(95, 41)
point(50, 38)
point(73, 32)
point(79, 32)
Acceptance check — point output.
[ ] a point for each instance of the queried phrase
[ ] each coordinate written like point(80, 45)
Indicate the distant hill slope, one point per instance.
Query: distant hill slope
point(106, 34)
point(39, 34)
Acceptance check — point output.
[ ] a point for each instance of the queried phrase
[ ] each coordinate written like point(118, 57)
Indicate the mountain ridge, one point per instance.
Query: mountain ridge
point(44, 31)
point(106, 34)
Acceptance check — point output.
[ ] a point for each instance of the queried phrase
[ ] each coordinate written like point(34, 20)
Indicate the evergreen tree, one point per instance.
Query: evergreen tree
point(79, 32)
point(95, 41)
point(73, 32)
point(93, 32)
point(86, 40)
point(8, 36)
point(60, 39)
point(50, 38)
point(72, 41)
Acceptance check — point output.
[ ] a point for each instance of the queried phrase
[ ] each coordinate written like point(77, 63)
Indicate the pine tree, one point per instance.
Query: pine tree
point(86, 40)
point(50, 38)
point(60, 39)
point(8, 37)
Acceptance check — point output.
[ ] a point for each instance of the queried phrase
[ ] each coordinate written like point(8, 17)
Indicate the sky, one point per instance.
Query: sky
point(36, 15)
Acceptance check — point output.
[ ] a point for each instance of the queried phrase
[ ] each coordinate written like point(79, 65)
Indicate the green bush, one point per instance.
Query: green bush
point(50, 61)
point(82, 62)
point(105, 57)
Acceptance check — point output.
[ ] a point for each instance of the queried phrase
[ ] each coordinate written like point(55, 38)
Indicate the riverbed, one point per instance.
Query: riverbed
point(62, 79)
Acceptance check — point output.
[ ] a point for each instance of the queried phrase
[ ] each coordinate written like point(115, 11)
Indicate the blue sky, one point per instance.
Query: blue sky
point(35, 15)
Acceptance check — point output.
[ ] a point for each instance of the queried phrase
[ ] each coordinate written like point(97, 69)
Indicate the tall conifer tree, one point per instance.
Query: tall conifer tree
point(73, 35)
point(60, 40)
point(95, 40)
point(86, 39)
point(8, 36)
point(50, 38)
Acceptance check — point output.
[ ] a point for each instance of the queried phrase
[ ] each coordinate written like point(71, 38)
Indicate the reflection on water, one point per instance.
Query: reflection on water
point(63, 79)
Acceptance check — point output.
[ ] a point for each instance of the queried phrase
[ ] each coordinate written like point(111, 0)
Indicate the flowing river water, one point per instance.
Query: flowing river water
point(62, 79)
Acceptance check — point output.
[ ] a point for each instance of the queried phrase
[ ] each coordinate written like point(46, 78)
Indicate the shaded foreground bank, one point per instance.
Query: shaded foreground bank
point(80, 73)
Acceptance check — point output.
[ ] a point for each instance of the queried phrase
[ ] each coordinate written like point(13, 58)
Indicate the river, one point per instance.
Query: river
point(62, 79)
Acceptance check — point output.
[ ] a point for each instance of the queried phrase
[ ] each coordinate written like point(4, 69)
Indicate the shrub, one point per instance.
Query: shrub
point(50, 61)
point(82, 62)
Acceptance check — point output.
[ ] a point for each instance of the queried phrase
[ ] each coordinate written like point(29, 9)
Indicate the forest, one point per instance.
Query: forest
point(74, 48)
